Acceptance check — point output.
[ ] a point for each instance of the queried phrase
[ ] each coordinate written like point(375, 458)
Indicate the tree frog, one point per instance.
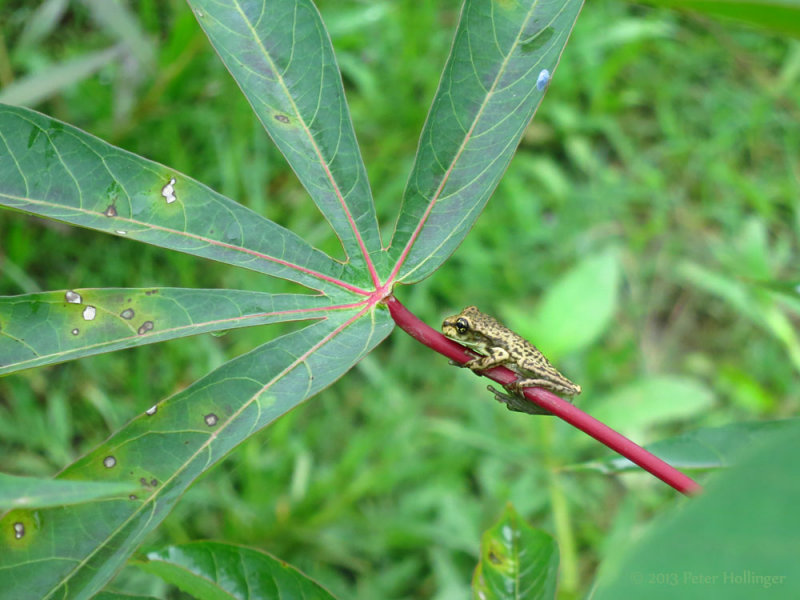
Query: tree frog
point(501, 346)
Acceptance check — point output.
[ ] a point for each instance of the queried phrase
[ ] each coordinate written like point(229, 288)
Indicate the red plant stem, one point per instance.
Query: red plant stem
point(409, 323)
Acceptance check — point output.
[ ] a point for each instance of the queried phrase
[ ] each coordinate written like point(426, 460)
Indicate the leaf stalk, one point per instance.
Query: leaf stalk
point(428, 336)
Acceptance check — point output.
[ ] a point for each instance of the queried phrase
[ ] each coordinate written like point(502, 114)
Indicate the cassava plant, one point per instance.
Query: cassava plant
point(67, 538)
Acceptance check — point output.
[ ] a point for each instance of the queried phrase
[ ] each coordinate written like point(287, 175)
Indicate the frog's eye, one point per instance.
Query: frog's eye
point(462, 326)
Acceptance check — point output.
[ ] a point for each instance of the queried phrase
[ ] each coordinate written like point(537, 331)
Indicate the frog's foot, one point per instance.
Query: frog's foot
point(516, 402)
point(473, 365)
point(470, 364)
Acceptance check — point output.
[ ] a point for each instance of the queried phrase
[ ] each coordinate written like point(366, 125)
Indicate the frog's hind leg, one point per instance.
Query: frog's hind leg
point(517, 403)
point(568, 388)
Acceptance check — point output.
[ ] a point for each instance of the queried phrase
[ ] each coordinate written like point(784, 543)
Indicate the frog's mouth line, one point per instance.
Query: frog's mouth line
point(450, 333)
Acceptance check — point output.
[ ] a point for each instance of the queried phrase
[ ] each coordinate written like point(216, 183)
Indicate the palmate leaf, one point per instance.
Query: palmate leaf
point(280, 54)
point(491, 86)
point(54, 170)
point(70, 552)
point(214, 571)
point(45, 328)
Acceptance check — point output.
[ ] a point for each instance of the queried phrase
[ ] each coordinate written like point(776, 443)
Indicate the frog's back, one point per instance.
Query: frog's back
point(490, 327)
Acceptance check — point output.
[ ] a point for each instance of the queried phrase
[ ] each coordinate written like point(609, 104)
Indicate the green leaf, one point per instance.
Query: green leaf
point(34, 89)
point(72, 551)
point(737, 540)
point(54, 170)
point(30, 492)
point(762, 307)
point(280, 54)
point(215, 571)
point(701, 449)
point(576, 310)
point(116, 596)
point(487, 96)
point(117, 19)
point(650, 401)
point(517, 562)
point(776, 16)
point(50, 327)
point(42, 21)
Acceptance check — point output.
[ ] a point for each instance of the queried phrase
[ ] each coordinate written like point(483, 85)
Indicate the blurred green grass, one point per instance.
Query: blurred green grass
point(670, 141)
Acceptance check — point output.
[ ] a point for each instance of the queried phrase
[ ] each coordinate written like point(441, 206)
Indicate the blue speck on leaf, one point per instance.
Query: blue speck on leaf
point(543, 80)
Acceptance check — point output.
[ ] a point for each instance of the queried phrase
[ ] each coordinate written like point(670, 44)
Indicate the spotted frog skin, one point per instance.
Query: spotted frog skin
point(501, 346)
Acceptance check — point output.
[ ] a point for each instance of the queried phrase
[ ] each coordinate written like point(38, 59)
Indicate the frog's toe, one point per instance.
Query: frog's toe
point(517, 403)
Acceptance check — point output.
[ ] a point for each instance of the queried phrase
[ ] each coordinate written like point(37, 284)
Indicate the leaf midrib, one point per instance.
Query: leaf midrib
point(467, 137)
point(314, 145)
point(203, 447)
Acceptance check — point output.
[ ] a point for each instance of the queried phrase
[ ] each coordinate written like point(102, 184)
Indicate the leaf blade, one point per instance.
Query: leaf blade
point(487, 94)
point(166, 449)
point(54, 170)
point(52, 327)
point(749, 522)
point(517, 562)
point(775, 16)
point(211, 570)
point(280, 54)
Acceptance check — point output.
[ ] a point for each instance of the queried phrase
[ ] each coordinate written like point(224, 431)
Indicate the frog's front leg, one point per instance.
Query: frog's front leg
point(496, 356)
point(516, 402)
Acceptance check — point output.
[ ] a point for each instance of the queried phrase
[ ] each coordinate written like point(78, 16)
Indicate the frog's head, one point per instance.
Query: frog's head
point(464, 326)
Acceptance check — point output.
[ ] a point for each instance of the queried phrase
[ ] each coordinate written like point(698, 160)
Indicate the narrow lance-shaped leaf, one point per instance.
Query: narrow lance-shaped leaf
point(502, 59)
point(280, 54)
point(54, 170)
point(211, 571)
point(70, 552)
point(45, 328)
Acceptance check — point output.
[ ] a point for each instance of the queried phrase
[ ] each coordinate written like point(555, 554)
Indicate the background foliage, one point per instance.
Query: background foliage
point(665, 157)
